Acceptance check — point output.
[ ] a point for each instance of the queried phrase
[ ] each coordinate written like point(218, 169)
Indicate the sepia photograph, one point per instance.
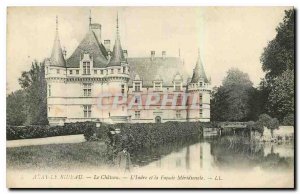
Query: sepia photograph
point(150, 97)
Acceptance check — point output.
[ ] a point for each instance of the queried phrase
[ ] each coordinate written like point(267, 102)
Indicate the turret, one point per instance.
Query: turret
point(198, 103)
point(117, 78)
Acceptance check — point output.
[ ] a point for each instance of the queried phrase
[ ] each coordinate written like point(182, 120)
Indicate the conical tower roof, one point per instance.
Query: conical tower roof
point(57, 57)
point(117, 55)
point(199, 72)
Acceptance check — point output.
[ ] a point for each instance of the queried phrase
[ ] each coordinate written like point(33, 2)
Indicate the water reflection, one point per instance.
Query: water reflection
point(227, 152)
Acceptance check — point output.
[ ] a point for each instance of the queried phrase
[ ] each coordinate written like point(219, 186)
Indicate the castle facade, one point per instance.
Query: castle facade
point(99, 84)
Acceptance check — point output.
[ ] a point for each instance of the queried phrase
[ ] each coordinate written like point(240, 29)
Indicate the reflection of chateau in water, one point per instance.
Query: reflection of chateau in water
point(215, 153)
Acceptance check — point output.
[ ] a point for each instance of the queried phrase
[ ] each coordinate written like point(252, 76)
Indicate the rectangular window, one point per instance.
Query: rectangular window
point(178, 114)
point(137, 87)
point(101, 72)
point(111, 71)
point(58, 71)
point(177, 86)
point(119, 70)
point(95, 71)
point(49, 90)
point(137, 114)
point(86, 68)
point(201, 83)
point(87, 89)
point(87, 111)
point(77, 72)
point(201, 113)
point(71, 72)
point(200, 98)
point(122, 88)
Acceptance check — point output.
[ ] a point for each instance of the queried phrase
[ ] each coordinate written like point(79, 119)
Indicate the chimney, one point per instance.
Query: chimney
point(107, 45)
point(125, 54)
point(152, 55)
point(97, 30)
point(163, 53)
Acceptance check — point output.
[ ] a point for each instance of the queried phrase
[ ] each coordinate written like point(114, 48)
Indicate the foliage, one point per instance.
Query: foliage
point(39, 131)
point(289, 120)
point(264, 120)
point(35, 88)
point(15, 108)
point(231, 101)
point(279, 55)
point(281, 97)
point(278, 60)
point(140, 135)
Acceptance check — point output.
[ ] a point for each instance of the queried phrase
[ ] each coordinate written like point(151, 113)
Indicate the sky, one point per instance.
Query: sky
point(227, 37)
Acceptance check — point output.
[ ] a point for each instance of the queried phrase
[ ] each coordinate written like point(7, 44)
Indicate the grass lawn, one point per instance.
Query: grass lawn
point(58, 156)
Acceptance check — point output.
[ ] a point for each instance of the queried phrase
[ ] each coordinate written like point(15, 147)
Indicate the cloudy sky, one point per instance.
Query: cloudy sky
point(227, 36)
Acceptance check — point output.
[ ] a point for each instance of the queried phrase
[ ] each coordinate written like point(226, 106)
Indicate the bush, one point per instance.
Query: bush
point(140, 135)
point(39, 131)
point(264, 120)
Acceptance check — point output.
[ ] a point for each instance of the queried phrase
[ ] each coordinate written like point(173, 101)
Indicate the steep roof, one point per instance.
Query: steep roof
point(90, 45)
point(117, 55)
point(199, 72)
point(149, 69)
point(57, 57)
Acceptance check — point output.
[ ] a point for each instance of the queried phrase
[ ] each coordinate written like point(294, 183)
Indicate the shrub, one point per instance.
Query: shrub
point(140, 135)
point(39, 131)
point(264, 120)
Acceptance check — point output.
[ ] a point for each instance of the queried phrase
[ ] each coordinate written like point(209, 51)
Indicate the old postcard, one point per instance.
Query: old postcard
point(150, 97)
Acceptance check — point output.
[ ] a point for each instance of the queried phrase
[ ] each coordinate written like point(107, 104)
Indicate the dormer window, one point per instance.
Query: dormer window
point(137, 83)
point(177, 82)
point(137, 86)
point(157, 86)
point(177, 86)
point(86, 68)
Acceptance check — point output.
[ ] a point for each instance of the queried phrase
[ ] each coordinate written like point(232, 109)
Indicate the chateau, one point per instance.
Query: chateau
point(99, 84)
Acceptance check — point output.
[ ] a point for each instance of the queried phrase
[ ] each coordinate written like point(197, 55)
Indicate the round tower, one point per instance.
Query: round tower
point(117, 80)
point(199, 90)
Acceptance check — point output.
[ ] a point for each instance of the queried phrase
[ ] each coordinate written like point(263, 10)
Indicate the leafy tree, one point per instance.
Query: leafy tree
point(15, 108)
point(230, 102)
point(281, 97)
point(279, 55)
point(34, 85)
point(278, 61)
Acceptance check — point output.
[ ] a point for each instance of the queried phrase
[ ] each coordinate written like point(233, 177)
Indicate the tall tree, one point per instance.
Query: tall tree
point(278, 61)
point(34, 85)
point(15, 108)
point(230, 101)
